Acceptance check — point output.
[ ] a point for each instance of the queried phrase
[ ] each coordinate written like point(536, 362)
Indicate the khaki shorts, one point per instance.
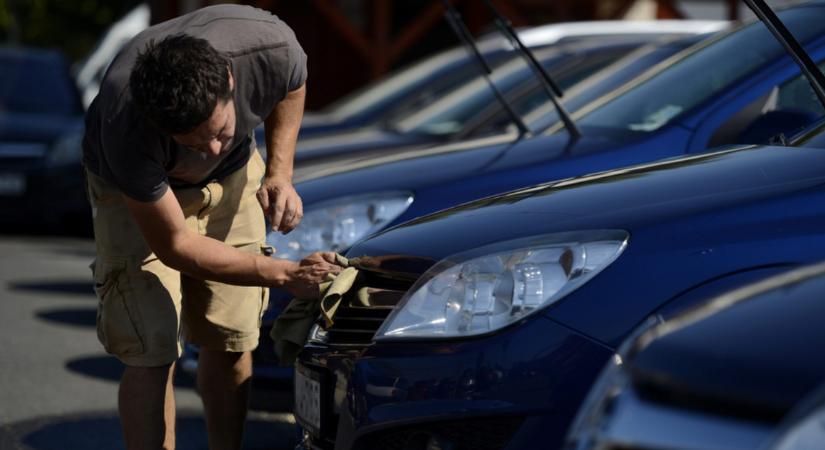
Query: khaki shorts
point(146, 309)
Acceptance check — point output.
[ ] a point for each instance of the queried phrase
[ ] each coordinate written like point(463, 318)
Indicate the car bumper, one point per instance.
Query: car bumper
point(518, 388)
point(34, 193)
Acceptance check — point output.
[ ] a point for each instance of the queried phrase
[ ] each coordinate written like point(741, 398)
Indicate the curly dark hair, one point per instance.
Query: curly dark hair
point(177, 82)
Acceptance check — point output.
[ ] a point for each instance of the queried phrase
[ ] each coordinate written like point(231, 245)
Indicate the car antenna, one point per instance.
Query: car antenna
point(798, 53)
point(460, 29)
point(552, 88)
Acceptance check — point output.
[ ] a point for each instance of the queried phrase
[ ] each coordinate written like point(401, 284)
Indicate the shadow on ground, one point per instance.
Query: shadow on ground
point(102, 431)
point(78, 317)
point(110, 369)
point(80, 288)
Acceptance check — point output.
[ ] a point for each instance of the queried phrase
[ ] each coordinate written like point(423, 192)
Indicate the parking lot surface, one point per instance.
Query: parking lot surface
point(58, 388)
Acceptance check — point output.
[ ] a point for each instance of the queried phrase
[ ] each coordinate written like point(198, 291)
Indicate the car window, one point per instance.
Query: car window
point(532, 95)
point(514, 79)
point(702, 74)
point(784, 109)
point(36, 84)
point(416, 84)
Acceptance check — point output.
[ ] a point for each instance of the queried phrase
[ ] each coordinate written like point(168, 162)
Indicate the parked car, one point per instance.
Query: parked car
point(39, 104)
point(739, 371)
point(362, 198)
point(496, 316)
point(90, 71)
point(427, 80)
point(466, 112)
point(749, 91)
point(272, 380)
point(492, 319)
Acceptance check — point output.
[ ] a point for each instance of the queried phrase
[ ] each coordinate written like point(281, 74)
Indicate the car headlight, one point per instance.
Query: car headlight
point(805, 427)
point(491, 287)
point(335, 225)
point(68, 149)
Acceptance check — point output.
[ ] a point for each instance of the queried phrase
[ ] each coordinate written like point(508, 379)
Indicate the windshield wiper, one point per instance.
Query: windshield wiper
point(550, 86)
point(460, 29)
point(798, 53)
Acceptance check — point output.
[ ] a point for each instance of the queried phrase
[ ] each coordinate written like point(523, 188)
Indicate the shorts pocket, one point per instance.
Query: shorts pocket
point(118, 319)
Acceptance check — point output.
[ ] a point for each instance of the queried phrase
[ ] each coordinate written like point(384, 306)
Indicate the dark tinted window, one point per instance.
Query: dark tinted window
point(36, 83)
point(701, 75)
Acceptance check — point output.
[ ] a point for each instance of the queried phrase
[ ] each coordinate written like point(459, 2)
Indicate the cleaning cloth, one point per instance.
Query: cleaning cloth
point(293, 324)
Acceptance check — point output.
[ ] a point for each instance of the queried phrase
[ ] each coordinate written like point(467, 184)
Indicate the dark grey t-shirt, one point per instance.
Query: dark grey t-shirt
point(126, 150)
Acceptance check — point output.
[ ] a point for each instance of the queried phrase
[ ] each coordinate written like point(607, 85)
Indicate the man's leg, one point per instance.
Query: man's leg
point(146, 404)
point(223, 383)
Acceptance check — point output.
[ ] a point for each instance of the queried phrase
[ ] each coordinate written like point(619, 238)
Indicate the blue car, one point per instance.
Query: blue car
point(489, 322)
point(741, 90)
point(270, 380)
point(425, 81)
point(467, 111)
point(41, 181)
point(740, 371)
point(737, 87)
point(497, 316)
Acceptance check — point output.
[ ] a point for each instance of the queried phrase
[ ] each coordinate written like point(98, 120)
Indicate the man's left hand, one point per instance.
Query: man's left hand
point(281, 204)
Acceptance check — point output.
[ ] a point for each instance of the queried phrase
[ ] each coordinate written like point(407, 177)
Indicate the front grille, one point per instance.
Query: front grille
point(355, 325)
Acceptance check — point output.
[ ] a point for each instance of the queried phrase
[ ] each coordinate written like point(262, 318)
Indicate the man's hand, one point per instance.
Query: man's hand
point(281, 204)
point(311, 271)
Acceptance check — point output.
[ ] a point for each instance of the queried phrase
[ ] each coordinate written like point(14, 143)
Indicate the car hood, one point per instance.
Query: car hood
point(755, 351)
point(350, 141)
point(626, 198)
point(329, 152)
point(447, 175)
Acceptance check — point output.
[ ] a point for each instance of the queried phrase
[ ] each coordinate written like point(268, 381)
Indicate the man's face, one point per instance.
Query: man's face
point(214, 136)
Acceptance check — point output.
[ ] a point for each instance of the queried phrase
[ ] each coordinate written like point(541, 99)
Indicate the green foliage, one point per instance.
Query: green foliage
point(72, 26)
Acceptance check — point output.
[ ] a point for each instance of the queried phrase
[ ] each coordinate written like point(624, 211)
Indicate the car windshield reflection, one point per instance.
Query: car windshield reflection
point(652, 104)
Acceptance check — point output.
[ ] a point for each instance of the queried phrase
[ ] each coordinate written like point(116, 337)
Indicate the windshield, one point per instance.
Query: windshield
point(36, 84)
point(544, 114)
point(517, 82)
point(420, 83)
point(699, 76)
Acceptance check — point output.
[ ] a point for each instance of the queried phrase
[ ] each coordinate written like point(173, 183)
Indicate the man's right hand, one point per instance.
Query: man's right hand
point(311, 271)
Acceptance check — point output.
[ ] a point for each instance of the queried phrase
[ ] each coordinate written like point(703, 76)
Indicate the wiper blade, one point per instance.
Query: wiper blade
point(798, 53)
point(552, 88)
point(460, 29)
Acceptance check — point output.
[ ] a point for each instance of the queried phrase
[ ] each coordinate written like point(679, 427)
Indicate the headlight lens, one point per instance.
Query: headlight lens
point(337, 224)
point(68, 149)
point(489, 288)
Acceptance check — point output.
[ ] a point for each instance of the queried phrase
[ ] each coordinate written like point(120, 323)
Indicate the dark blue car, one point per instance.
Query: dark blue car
point(739, 87)
point(425, 81)
point(739, 371)
point(495, 317)
point(271, 380)
point(488, 322)
point(40, 175)
point(729, 85)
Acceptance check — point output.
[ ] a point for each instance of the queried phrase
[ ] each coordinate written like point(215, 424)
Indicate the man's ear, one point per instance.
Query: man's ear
point(231, 79)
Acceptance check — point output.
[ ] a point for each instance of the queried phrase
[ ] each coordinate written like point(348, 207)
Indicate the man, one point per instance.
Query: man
point(175, 185)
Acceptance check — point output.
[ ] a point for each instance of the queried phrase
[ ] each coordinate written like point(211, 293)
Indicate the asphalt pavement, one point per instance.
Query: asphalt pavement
point(58, 388)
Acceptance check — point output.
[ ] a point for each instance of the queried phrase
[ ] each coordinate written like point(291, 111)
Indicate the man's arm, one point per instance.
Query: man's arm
point(163, 225)
point(277, 196)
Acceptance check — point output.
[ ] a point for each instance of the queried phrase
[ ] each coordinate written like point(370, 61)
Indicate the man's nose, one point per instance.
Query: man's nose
point(215, 147)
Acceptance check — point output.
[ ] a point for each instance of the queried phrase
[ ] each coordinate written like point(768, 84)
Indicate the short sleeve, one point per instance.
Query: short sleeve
point(298, 63)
